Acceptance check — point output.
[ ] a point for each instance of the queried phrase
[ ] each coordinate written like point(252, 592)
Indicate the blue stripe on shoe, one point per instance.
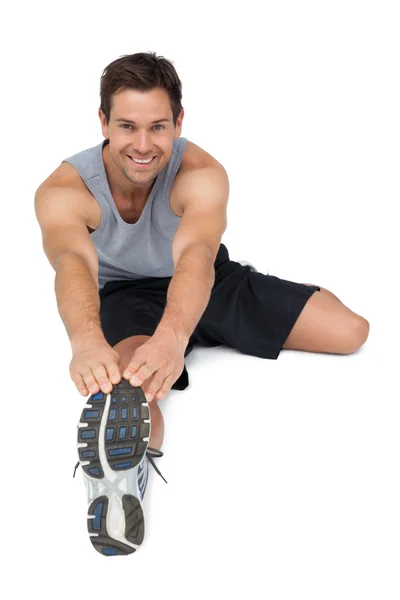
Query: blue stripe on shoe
point(94, 471)
point(96, 523)
point(122, 433)
point(117, 451)
point(91, 414)
point(88, 434)
point(109, 434)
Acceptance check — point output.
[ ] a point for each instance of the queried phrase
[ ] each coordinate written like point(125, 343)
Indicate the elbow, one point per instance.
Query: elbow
point(74, 260)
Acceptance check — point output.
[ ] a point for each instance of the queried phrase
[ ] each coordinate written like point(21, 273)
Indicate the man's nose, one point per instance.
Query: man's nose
point(143, 142)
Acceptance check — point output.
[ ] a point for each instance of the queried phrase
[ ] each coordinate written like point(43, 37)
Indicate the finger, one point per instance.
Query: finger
point(165, 388)
point(114, 371)
point(143, 373)
point(100, 373)
point(80, 384)
point(90, 381)
point(117, 367)
point(155, 385)
point(133, 366)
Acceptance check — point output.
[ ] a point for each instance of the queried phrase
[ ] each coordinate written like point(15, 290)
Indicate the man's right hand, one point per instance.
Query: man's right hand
point(95, 366)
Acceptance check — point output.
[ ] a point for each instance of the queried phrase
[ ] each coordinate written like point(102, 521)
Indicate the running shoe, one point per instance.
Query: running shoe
point(113, 436)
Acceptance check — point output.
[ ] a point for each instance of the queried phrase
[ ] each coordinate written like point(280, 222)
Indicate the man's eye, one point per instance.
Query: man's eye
point(127, 125)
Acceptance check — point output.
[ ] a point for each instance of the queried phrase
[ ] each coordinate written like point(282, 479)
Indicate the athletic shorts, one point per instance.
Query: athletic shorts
point(248, 311)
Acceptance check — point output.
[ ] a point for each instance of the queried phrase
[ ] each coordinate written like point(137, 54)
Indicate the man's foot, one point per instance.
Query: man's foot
point(113, 435)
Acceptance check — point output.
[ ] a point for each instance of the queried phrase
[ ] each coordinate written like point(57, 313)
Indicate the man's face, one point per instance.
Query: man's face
point(134, 134)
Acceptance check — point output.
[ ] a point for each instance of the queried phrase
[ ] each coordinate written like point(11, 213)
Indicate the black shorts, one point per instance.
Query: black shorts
point(248, 311)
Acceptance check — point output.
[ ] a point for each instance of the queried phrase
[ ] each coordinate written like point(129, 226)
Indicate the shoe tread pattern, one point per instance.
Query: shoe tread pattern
point(124, 432)
point(97, 529)
point(134, 531)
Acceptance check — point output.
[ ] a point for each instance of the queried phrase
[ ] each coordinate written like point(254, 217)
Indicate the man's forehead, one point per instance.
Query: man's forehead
point(143, 107)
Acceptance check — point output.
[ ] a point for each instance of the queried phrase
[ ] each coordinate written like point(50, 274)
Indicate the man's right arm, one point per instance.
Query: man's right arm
point(70, 251)
point(67, 245)
point(77, 299)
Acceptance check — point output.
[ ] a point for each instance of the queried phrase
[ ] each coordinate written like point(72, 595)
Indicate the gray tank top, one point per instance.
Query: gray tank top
point(139, 250)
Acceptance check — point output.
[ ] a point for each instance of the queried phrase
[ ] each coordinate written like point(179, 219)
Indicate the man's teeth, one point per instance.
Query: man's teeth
point(142, 161)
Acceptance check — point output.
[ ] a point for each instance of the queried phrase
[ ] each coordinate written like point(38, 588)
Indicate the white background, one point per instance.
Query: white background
point(283, 476)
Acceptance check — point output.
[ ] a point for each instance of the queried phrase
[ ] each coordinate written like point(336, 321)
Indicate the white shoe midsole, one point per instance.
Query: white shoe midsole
point(114, 485)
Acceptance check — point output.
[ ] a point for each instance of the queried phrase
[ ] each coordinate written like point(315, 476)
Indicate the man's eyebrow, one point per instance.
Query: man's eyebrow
point(121, 119)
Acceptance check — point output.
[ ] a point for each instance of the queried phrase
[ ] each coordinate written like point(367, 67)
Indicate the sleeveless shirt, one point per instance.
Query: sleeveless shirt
point(131, 251)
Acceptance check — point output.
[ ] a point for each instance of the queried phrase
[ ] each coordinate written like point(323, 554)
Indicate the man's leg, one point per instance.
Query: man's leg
point(327, 325)
point(326, 292)
point(126, 349)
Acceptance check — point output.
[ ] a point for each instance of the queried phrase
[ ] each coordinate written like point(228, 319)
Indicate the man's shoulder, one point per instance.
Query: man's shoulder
point(196, 167)
point(68, 177)
point(195, 157)
point(65, 175)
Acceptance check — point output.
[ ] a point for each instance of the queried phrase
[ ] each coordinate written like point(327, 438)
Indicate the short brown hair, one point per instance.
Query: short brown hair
point(142, 71)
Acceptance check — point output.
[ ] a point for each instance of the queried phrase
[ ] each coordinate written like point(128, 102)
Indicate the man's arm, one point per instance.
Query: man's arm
point(204, 194)
point(78, 300)
point(71, 253)
point(188, 293)
point(66, 242)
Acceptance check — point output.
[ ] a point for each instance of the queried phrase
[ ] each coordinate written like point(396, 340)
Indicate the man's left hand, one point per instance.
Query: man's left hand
point(163, 356)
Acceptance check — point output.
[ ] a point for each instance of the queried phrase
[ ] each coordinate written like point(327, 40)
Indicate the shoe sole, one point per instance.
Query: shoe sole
point(113, 435)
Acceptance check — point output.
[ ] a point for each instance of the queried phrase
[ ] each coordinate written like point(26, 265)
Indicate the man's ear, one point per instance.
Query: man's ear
point(178, 127)
point(104, 127)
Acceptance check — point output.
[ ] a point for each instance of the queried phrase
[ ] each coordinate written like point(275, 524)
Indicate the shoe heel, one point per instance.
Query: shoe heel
point(96, 524)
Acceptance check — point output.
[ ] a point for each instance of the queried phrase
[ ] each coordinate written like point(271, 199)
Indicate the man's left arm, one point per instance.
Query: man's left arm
point(204, 195)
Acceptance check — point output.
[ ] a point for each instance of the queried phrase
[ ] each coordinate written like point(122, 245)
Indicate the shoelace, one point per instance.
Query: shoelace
point(155, 453)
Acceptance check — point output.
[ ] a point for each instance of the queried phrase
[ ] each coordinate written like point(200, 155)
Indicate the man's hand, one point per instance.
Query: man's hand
point(94, 366)
point(163, 355)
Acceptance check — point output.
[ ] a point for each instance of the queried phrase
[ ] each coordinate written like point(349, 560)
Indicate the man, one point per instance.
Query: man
point(133, 229)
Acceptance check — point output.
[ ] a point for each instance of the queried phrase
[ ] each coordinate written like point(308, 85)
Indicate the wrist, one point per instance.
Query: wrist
point(180, 336)
point(91, 336)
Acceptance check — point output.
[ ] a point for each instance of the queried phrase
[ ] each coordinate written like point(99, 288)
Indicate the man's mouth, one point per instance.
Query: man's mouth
point(140, 162)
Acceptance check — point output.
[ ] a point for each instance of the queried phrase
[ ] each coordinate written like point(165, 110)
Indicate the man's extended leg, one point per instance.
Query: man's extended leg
point(326, 292)
point(126, 349)
point(327, 325)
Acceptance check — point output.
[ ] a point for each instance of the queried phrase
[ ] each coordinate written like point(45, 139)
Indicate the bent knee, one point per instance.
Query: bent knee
point(127, 347)
point(357, 336)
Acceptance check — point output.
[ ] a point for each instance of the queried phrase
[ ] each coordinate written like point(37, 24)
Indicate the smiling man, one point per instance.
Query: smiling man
point(133, 228)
